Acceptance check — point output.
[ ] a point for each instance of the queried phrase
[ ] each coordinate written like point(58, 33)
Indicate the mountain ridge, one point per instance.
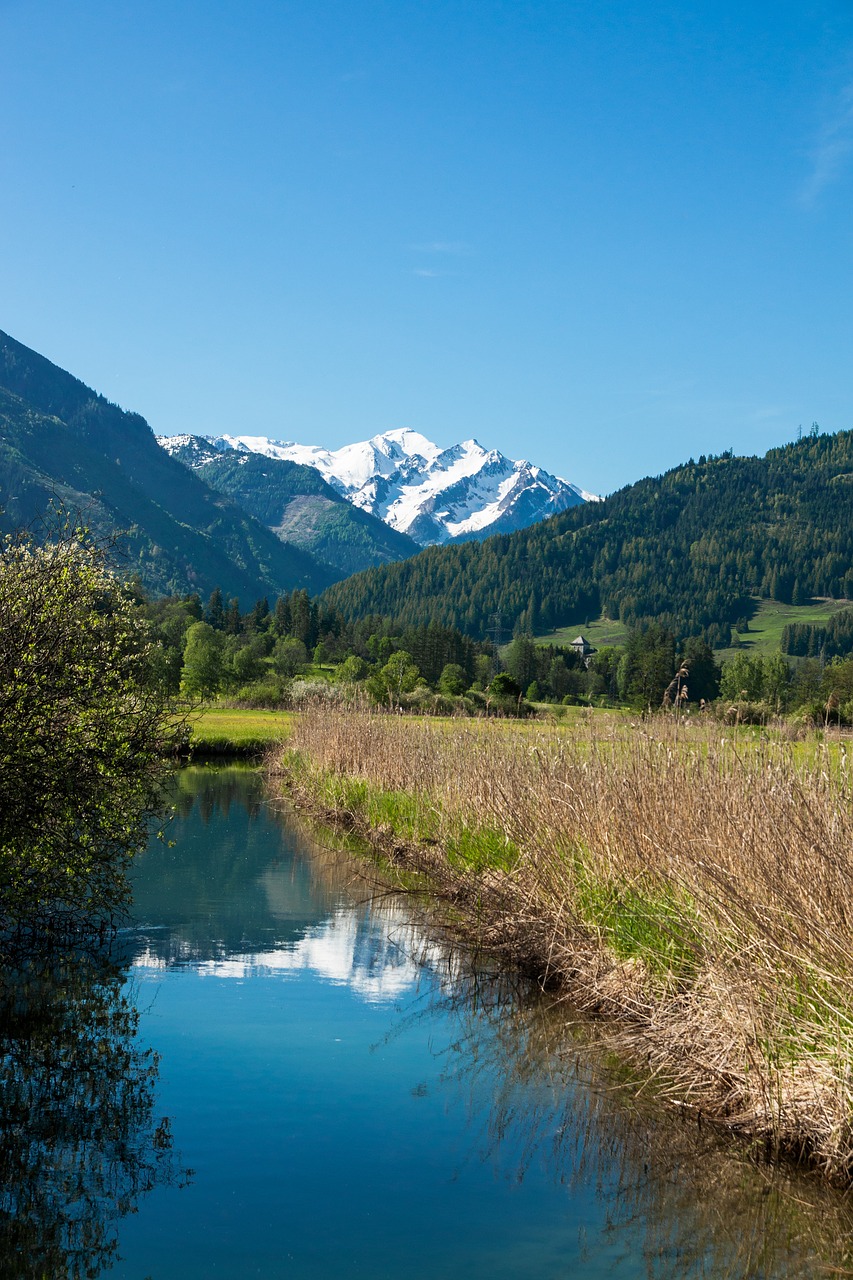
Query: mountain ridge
point(296, 503)
point(62, 441)
point(432, 494)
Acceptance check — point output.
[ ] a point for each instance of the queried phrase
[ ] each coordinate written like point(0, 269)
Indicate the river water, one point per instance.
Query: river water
point(347, 1097)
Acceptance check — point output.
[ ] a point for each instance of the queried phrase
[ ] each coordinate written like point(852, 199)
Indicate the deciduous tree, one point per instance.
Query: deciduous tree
point(84, 728)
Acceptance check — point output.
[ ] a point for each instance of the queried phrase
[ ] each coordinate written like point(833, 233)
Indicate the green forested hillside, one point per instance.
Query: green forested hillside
point(60, 440)
point(686, 549)
point(301, 508)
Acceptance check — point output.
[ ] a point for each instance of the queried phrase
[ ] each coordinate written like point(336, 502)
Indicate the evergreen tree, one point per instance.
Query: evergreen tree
point(215, 611)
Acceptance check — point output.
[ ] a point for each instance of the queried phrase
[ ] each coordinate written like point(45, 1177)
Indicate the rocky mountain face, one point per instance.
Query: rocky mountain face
point(296, 504)
point(431, 494)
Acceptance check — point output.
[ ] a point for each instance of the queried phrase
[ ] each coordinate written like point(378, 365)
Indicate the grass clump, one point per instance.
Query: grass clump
point(481, 849)
point(655, 927)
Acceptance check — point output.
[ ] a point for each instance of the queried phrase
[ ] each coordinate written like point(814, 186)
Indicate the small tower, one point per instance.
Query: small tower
point(583, 649)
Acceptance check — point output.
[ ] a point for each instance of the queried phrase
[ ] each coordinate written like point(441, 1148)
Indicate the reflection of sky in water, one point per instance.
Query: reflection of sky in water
point(379, 956)
point(355, 1102)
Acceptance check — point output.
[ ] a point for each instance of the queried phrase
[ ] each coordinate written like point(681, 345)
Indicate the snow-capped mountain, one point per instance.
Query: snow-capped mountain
point(434, 495)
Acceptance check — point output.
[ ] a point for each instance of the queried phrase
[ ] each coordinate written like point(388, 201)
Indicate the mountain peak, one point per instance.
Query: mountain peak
point(435, 495)
point(403, 442)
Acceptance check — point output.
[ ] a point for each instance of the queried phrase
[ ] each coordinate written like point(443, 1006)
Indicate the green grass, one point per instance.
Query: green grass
point(600, 632)
point(410, 816)
point(765, 627)
point(764, 635)
point(224, 732)
point(481, 848)
point(659, 929)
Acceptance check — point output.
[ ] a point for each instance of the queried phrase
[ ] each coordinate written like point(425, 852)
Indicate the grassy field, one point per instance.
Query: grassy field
point(765, 628)
point(600, 632)
point(689, 881)
point(225, 732)
point(764, 635)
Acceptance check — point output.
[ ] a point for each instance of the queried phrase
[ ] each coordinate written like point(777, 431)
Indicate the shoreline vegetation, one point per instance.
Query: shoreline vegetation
point(691, 883)
point(84, 733)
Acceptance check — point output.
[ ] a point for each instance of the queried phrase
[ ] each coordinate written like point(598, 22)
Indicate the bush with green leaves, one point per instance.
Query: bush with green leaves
point(84, 730)
point(760, 677)
point(290, 656)
point(452, 680)
point(397, 677)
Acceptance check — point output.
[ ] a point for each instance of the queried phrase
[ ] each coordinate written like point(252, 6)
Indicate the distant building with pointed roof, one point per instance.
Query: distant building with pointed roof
point(582, 647)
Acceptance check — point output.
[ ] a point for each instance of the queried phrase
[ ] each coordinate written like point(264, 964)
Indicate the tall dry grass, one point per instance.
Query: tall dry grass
point(694, 883)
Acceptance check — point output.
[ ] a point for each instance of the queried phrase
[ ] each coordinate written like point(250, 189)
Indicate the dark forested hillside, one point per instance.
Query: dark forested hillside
point(301, 508)
point(61, 441)
point(685, 549)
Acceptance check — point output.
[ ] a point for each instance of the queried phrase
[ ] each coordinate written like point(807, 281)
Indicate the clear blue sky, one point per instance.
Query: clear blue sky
point(603, 236)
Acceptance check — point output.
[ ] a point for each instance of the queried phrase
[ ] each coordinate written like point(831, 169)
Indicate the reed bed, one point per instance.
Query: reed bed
point(689, 882)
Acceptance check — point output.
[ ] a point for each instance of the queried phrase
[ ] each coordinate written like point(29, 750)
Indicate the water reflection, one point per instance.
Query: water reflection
point(251, 904)
point(677, 1195)
point(245, 902)
point(80, 1140)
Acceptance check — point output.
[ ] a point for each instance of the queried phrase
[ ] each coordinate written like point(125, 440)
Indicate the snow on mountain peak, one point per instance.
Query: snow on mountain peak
point(432, 494)
point(409, 442)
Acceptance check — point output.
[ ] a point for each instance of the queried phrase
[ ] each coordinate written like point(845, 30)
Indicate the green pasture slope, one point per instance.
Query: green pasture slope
point(770, 617)
point(602, 633)
point(764, 635)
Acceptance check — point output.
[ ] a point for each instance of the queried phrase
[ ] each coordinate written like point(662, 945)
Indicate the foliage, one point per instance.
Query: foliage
point(290, 656)
point(399, 675)
point(646, 666)
point(832, 639)
point(84, 728)
point(353, 669)
point(756, 678)
point(504, 687)
point(202, 668)
point(452, 680)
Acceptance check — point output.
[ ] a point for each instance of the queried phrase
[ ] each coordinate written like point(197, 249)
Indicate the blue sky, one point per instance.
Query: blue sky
point(602, 236)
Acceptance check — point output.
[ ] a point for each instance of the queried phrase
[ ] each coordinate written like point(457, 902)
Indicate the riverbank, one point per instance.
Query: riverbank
point(690, 885)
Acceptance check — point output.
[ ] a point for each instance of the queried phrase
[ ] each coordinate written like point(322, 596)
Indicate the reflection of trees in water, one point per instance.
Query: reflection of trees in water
point(679, 1195)
point(79, 1138)
point(215, 789)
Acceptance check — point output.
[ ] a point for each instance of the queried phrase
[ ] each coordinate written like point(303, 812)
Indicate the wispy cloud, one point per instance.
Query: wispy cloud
point(426, 273)
point(772, 412)
point(832, 150)
point(454, 247)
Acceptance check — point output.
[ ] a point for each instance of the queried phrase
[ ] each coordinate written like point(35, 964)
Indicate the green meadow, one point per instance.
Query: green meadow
point(766, 624)
point(216, 731)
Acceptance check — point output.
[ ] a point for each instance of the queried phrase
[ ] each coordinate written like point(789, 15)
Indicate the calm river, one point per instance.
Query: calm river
point(348, 1099)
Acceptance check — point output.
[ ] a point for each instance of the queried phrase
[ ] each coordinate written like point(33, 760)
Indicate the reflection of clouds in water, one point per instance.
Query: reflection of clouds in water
point(379, 955)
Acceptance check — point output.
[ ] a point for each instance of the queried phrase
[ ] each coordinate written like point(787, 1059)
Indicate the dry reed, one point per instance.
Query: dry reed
point(690, 882)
